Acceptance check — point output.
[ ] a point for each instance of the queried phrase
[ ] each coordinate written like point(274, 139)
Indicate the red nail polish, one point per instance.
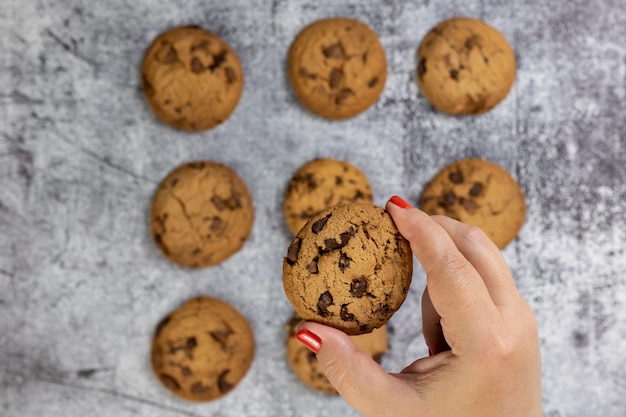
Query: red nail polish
point(309, 339)
point(400, 202)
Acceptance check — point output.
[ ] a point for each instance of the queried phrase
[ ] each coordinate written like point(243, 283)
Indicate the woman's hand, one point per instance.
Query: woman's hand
point(481, 333)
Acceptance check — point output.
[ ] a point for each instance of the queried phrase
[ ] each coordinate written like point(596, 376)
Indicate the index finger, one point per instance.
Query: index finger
point(456, 289)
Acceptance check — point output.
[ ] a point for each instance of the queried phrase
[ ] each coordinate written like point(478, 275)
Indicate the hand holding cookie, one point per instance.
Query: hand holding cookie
point(481, 333)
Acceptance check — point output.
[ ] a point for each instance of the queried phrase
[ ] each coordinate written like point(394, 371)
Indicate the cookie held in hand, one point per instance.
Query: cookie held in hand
point(348, 267)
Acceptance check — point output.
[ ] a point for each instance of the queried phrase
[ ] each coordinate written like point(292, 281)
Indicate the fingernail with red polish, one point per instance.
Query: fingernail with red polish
point(309, 339)
point(400, 202)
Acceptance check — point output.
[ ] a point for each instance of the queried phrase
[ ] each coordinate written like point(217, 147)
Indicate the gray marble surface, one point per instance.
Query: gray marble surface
point(82, 284)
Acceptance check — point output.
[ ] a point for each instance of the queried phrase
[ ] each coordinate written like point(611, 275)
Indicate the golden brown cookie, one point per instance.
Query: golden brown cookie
point(192, 79)
point(337, 67)
point(323, 183)
point(304, 363)
point(348, 268)
point(203, 349)
point(465, 66)
point(480, 193)
point(202, 213)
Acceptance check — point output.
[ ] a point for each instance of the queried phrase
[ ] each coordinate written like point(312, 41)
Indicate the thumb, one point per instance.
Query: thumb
point(361, 381)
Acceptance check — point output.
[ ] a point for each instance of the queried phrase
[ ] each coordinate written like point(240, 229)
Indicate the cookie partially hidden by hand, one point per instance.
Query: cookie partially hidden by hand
point(348, 267)
point(202, 350)
point(480, 193)
point(202, 214)
point(304, 363)
point(337, 67)
point(465, 66)
point(320, 184)
point(192, 79)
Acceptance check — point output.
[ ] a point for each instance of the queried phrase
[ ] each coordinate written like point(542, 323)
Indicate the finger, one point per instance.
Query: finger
point(431, 327)
point(456, 290)
point(485, 256)
point(361, 381)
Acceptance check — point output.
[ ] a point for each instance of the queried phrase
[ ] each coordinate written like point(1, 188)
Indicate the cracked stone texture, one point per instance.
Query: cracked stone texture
point(82, 284)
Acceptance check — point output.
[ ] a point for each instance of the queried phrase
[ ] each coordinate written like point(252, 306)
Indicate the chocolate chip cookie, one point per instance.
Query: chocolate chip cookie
point(203, 349)
point(348, 268)
point(337, 67)
point(202, 213)
point(323, 183)
point(193, 80)
point(304, 363)
point(480, 193)
point(465, 66)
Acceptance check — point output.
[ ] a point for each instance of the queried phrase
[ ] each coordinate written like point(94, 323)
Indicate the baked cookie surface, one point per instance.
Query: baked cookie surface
point(202, 213)
point(480, 193)
point(193, 80)
point(348, 268)
point(202, 350)
point(320, 184)
point(304, 363)
point(337, 67)
point(465, 66)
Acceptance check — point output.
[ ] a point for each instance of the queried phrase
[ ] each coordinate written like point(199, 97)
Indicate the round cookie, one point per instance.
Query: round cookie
point(192, 79)
point(202, 213)
point(304, 363)
point(323, 183)
point(348, 268)
point(480, 193)
point(337, 67)
point(202, 350)
point(465, 66)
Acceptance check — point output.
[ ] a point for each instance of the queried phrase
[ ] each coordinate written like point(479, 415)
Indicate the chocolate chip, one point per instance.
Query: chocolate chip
point(174, 182)
point(338, 180)
point(343, 95)
point(168, 54)
point(334, 51)
point(344, 261)
point(358, 287)
point(217, 60)
point(312, 267)
point(335, 77)
point(476, 189)
point(319, 225)
point(223, 385)
point(454, 74)
point(332, 244)
point(221, 335)
point(196, 66)
point(421, 67)
point(191, 343)
point(203, 44)
point(185, 371)
point(449, 198)
point(456, 177)
point(306, 74)
point(468, 205)
point(218, 203)
point(345, 314)
point(216, 224)
point(325, 300)
point(170, 382)
point(197, 165)
point(230, 75)
point(197, 388)
point(293, 250)
point(372, 82)
point(472, 41)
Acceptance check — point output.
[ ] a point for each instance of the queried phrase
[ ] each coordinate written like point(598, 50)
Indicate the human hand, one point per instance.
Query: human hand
point(481, 333)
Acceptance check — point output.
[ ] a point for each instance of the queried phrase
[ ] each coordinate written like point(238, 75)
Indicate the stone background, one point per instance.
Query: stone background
point(82, 284)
